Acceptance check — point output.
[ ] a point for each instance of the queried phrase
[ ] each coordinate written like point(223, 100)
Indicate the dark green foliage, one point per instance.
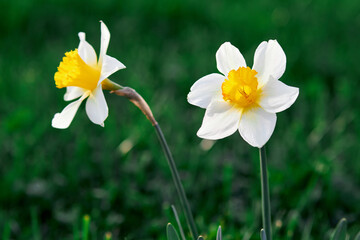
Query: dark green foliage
point(313, 155)
point(339, 232)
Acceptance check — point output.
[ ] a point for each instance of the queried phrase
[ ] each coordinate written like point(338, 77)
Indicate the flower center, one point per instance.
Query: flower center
point(241, 88)
point(73, 71)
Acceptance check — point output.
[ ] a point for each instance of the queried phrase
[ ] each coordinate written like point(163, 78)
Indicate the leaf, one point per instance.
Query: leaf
point(218, 235)
point(340, 230)
point(262, 234)
point(171, 232)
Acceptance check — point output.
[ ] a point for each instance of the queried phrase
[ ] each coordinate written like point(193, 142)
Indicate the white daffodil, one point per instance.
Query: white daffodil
point(242, 98)
point(84, 76)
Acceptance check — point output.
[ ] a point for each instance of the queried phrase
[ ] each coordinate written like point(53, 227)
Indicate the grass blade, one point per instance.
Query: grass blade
point(307, 230)
point(85, 228)
point(262, 234)
point(357, 237)
point(178, 222)
point(218, 235)
point(340, 230)
point(171, 232)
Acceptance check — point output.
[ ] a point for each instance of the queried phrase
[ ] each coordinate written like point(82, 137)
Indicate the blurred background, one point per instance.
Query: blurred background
point(49, 178)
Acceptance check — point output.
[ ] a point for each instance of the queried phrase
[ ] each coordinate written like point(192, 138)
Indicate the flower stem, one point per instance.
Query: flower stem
point(138, 101)
point(175, 175)
point(110, 85)
point(265, 196)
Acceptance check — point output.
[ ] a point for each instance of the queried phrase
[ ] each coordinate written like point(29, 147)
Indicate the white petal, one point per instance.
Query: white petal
point(277, 96)
point(86, 51)
point(96, 107)
point(105, 39)
point(203, 90)
point(257, 126)
point(72, 93)
point(220, 120)
point(229, 58)
point(109, 66)
point(62, 120)
point(269, 59)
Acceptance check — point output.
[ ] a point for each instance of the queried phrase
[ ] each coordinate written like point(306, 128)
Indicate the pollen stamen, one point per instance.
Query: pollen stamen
point(241, 88)
point(73, 71)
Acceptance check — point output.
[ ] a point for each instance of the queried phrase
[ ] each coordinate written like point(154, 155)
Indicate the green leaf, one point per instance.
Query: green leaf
point(340, 230)
point(218, 235)
point(262, 234)
point(171, 232)
point(357, 237)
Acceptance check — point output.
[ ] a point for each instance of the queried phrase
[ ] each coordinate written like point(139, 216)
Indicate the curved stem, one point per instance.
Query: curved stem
point(176, 178)
point(136, 99)
point(265, 196)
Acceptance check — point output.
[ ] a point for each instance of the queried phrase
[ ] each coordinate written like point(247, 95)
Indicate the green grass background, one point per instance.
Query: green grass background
point(50, 178)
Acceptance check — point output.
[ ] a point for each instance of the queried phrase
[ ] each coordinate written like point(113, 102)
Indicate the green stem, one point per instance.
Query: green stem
point(265, 196)
point(175, 175)
point(139, 101)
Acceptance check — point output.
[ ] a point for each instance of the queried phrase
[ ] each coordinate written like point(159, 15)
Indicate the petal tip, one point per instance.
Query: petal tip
point(227, 43)
point(296, 93)
point(200, 134)
point(257, 126)
point(103, 25)
point(229, 57)
point(274, 42)
point(206, 136)
point(55, 122)
point(81, 36)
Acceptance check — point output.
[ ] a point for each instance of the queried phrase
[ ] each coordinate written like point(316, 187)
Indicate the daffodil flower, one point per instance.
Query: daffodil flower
point(84, 76)
point(243, 98)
